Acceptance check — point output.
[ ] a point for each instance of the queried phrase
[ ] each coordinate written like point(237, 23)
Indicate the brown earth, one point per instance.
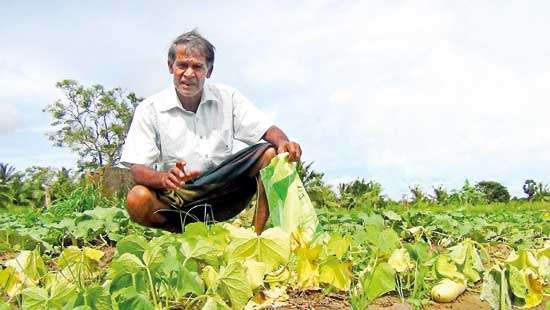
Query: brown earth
point(312, 299)
point(466, 301)
point(108, 253)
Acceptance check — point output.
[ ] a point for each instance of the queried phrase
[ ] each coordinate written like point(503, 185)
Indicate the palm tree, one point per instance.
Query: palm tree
point(7, 172)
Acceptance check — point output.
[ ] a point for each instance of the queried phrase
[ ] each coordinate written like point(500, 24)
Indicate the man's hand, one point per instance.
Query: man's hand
point(293, 149)
point(177, 176)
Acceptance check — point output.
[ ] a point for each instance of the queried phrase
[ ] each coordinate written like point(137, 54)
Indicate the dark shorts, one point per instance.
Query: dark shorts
point(218, 194)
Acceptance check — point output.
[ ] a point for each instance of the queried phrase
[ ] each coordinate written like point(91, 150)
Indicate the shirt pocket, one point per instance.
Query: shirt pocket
point(222, 143)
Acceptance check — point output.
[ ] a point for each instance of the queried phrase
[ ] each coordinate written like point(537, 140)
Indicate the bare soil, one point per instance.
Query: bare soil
point(108, 253)
point(312, 299)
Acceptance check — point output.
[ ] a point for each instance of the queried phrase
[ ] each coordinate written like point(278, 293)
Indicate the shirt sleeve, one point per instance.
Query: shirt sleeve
point(140, 146)
point(249, 123)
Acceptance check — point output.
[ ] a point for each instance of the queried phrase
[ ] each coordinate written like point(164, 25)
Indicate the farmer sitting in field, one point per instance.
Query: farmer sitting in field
point(179, 146)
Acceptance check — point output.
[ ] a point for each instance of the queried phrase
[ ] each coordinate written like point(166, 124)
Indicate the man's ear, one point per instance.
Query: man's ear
point(209, 73)
point(170, 63)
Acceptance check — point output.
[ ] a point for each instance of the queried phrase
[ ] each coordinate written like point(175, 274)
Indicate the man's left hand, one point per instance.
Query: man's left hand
point(293, 149)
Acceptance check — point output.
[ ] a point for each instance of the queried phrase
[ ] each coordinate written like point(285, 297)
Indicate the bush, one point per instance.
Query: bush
point(494, 191)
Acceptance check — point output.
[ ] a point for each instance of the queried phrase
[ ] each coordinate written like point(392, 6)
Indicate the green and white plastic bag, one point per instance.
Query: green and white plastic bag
point(289, 205)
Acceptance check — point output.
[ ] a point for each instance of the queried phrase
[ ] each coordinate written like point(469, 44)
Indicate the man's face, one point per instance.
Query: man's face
point(189, 70)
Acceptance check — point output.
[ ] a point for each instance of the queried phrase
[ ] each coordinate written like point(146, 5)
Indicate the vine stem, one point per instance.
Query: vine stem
point(152, 287)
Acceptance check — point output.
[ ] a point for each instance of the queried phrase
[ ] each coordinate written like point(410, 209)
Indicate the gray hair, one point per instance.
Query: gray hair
point(193, 40)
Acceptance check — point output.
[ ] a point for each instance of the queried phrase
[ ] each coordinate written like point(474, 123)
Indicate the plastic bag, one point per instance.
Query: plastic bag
point(289, 205)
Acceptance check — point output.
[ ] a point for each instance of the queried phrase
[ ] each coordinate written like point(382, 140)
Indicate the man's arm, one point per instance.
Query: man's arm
point(278, 138)
point(171, 179)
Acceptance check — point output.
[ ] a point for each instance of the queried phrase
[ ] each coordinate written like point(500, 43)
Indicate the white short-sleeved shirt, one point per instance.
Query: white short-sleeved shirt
point(162, 131)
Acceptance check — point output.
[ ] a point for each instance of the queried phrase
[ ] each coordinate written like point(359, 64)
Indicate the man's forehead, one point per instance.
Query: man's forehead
point(186, 52)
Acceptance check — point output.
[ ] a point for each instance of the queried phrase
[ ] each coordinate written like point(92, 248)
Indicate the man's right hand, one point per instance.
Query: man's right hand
point(176, 177)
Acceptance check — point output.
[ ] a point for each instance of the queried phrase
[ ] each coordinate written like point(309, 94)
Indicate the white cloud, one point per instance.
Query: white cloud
point(24, 77)
point(10, 118)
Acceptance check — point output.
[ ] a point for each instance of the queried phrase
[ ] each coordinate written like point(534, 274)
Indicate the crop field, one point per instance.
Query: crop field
point(82, 252)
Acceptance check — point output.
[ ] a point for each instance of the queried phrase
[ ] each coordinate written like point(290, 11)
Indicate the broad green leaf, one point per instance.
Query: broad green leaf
point(446, 268)
point(127, 271)
point(278, 277)
point(465, 255)
point(494, 289)
point(522, 259)
point(380, 281)
point(132, 244)
point(61, 293)
point(79, 264)
point(127, 263)
point(39, 298)
point(189, 282)
point(339, 245)
point(400, 260)
point(307, 266)
point(375, 221)
point(10, 281)
point(35, 298)
point(526, 285)
point(234, 285)
point(391, 215)
point(544, 267)
point(255, 272)
point(215, 303)
point(335, 273)
point(419, 251)
point(210, 277)
point(93, 254)
point(384, 242)
point(195, 229)
point(131, 299)
point(4, 305)
point(271, 247)
point(200, 249)
point(152, 256)
point(29, 266)
point(106, 214)
point(88, 227)
point(95, 297)
point(120, 281)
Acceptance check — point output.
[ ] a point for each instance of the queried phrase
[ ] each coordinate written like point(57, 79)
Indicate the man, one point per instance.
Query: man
point(179, 146)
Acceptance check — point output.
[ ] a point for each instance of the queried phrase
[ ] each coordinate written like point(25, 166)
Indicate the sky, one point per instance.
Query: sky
point(401, 92)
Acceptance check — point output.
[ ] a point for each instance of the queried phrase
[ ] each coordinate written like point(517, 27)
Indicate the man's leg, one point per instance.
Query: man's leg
point(262, 209)
point(142, 203)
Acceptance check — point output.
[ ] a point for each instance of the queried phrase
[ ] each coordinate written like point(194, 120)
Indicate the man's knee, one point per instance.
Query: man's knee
point(268, 155)
point(138, 204)
point(264, 160)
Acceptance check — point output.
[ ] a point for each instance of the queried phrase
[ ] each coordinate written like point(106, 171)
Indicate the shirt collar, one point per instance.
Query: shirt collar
point(172, 102)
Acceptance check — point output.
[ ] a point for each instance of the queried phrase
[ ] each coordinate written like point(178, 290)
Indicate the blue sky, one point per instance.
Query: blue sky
point(401, 92)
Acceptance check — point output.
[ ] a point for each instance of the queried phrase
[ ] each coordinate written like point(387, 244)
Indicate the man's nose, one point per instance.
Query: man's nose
point(189, 72)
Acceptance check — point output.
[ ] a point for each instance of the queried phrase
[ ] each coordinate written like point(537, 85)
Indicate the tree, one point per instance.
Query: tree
point(530, 188)
point(92, 121)
point(417, 194)
point(6, 172)
point(441, 195)
point(320, 194)
point(359, 193)
point(536, 191)
point(494, 191)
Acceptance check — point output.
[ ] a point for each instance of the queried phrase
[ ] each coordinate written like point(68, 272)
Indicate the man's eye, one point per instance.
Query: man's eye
point(197, 67)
